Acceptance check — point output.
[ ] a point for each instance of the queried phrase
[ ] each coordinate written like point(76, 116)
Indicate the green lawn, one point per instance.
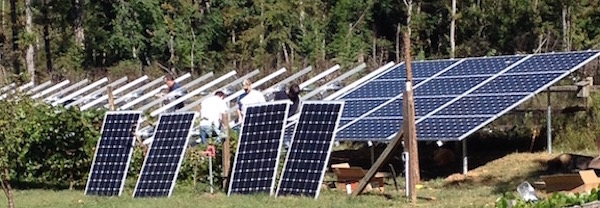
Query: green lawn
point(437, 196)
point(480, 188)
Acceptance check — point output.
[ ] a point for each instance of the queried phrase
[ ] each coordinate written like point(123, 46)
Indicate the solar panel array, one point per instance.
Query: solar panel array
point(163, 161)
point(453, 98)
point(113, 153)
point(259, 147)
point(311, 146)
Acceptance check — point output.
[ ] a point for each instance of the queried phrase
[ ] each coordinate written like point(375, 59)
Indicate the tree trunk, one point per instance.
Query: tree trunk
point(285, 54)
point(2, 16)
point(49, 66)
point(452, 30)
point(8, 191)
point(15, 36)
point(78, 23)
point(398, 27)
point(233, 42)
point(30, 52)
point(565, 28)
point(172, 51)
point(193, 46)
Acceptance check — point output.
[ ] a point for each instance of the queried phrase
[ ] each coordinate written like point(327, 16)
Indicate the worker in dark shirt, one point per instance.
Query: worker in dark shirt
point(173, 86)
point(292, 94)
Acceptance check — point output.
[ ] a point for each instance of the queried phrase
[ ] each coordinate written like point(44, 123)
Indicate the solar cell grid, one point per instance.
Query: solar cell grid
point(447, 128)
point(358, 107)
point(482, 66)
point(163, 161)
point(448, 86)
point(309, 153)
point(259, 146)
point(481, 105)
point(517, 83)
point(422, 106)
point(113, 153)
point(370, 128)
point(421, 69)
point(553, 62)
point(376, 89)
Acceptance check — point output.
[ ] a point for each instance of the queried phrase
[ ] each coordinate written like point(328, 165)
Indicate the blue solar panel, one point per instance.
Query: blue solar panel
point(494, 95)
point(448, 86)
point(377, 89)
point(113, 153)
point(161, 165)
point(422, 107)
point(481, 105)
point(308, 155)
point(447, 128)
point(421, 69)
point(553, 62)
point(359, 107)
point(482, 66)
point(524, 83)
point(259, 147)
point(370, 129)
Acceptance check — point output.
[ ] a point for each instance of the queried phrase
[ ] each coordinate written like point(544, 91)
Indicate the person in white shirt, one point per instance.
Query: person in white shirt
point(211, 112)
point(250, 96)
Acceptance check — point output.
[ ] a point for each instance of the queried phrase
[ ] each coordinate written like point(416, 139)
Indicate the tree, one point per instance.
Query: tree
point(15, 36)
point(30, 38)
point(78, 28)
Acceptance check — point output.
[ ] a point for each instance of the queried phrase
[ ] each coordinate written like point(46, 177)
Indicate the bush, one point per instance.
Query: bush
point(556, 200)
point(49, 146)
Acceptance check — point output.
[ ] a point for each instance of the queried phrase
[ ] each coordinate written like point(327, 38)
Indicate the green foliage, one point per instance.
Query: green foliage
point(242, 34)
point(579, 130)
point(46, 145)
point(555, 200)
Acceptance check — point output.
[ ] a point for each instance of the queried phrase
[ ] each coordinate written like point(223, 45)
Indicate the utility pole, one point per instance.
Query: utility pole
point(410, 139)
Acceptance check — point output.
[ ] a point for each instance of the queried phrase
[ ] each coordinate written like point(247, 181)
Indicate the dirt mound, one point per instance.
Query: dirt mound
point(512, 168)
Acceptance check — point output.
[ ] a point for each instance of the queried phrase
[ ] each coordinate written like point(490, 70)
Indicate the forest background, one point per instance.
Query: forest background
point(62, 39)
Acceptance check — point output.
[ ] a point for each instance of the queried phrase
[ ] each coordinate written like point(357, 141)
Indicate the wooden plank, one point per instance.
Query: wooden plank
point(111, 98)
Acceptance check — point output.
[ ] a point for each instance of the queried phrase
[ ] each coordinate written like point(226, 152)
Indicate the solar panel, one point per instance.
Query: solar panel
point(311, 146)
point(466, 96)
point(259, 147)
point(161, 165)
point(113, 153)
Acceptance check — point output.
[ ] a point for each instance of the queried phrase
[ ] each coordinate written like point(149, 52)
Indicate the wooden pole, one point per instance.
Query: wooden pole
point(111, 98)
point(410, 139)
point(226, 150)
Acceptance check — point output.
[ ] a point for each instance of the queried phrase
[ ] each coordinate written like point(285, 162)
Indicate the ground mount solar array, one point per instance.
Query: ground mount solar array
point(454, 97)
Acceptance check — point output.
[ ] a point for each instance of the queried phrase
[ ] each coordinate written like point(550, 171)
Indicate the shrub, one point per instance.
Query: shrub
point(50, 146)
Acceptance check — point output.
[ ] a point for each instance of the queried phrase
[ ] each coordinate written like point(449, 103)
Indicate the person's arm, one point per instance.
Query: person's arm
point(240, 115)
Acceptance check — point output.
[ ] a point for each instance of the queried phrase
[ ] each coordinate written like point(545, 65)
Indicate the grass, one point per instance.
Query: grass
point(466, 196)
point(479, 188)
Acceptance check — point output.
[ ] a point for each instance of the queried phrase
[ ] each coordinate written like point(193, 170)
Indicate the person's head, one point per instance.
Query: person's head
point(247, 85)
point(220, 94)
point(294, 90)
point(169, 80)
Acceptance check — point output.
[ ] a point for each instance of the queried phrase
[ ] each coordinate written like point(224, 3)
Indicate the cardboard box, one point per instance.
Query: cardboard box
point(348, 178)
point(581, 182)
